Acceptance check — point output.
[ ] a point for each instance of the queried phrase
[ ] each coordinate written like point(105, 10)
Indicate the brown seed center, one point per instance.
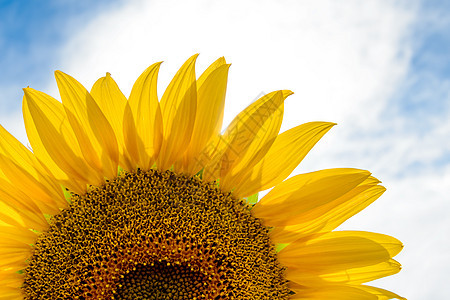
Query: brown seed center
point(155, 234)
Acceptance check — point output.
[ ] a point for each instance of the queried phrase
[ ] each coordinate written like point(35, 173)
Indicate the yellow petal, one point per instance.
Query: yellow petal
point(339, 250)
point(9, 257)
point(337, 292)
point(20, 234)
point(209, 117)
point(178, 106)
point(364, 274)
point(46, 122)
point(13, 245)
point(112, 103)
point(9, 216)
point(10, 278)
point(143, 120)
point(34, 178)
point(286, 153)
point(333, 213)
point(348, 276)
point(39, 149)
point(133, 144)
point(22, 180)
point(252, 130)
point(9, 293)
point(93, 131)
point(12, 148)
point(212, 67)
point(380, 293)
point(302, 197)
point(260, 144)
point(24, 209)
point(15, 261)
point(242, 133)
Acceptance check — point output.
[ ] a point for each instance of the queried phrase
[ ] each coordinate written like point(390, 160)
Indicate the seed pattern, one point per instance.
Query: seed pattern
point(155, 235)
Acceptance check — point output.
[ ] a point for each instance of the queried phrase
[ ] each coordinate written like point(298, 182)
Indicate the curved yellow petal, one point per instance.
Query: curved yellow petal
point(95, 135)
point(331, 214)
point(22, 180)
point(10, 278)
point(179, 107)
point(13, 149)
point(24, 209)
point(16, 233)
point(40, 152)
point(339, 250)
point(260, 144)
point(364, 274)
point(54, 107)
point(15, 261)
point(46, 122)
point(143, 120)
point(10, 293)
point(244, 134)
point(9, 216)
point(22, 168)
point(332, 292)
point(208, 122)
point(14, 256)
point(381, 294)
point(341, 292)
point(112, 103)
point(347, 276)
point(133, 144)
point(305, 197)
point(212, 67)
point(283, 157)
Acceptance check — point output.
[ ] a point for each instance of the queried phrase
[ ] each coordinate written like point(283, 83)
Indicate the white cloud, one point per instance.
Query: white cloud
point(339, 58)
point(343, 60)
point(13, 122)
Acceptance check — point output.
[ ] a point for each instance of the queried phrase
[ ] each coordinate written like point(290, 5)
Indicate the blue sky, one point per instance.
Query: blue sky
point(430, 63)
point(31, 32)
point(380, 69)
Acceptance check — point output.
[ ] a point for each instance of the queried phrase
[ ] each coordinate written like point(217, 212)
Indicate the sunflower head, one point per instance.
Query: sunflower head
point(145, 198)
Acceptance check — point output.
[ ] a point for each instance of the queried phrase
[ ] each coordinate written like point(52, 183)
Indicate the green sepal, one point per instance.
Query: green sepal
point(67, 194)
point(200, 174)
point(252, 199)
point(279, 247)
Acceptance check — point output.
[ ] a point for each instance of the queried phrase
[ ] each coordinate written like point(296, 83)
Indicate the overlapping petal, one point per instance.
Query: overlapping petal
point(329, 215)
point(346, 276)
point(19, 166)
point(251, 130)
point(112, 103)
point(344, 292)
point(179, 108)
point(339, 250)
point(287, 151)
point(10, 282)
point(143, 126)
point(211, 90)
point(95, 135)
point(301, 198)
point(25, 210)
point(46, 122)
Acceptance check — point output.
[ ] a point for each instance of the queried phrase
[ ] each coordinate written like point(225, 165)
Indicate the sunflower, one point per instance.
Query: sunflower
point(145, 199)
